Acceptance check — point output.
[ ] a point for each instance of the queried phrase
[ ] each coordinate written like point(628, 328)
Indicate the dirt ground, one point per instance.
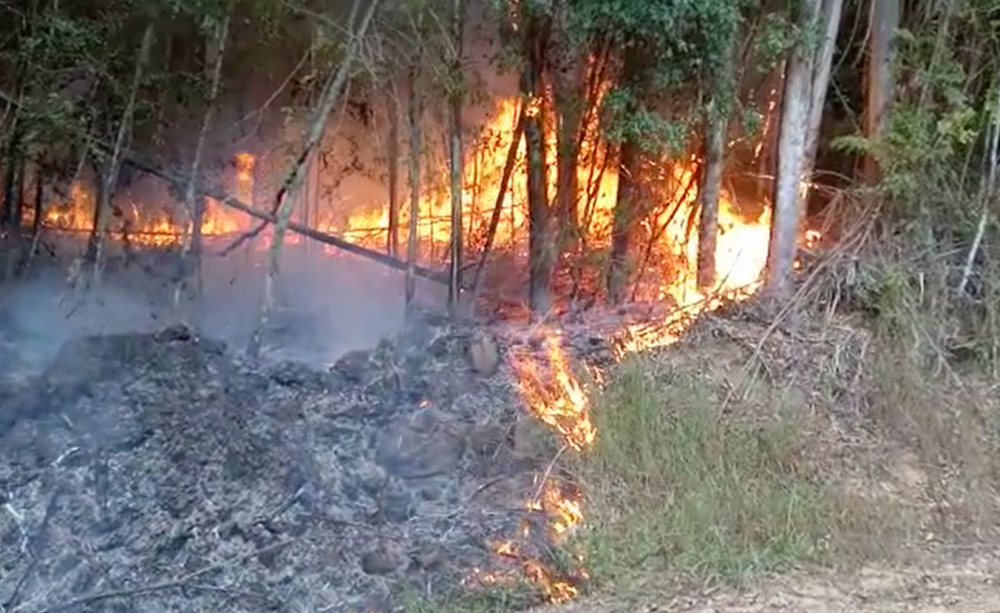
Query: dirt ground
point(967, 584)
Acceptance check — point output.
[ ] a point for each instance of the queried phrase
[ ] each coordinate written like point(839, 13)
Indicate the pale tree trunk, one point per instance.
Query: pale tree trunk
point(456, 161)
point(194, 205)
point(414, 111)
point(832, 12)
point(709, 193)
point(788, 187)
point(110, 178)
point(287, 195)
point(884, 21)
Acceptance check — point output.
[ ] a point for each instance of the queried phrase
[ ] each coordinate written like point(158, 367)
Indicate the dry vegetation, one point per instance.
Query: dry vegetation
point(855, 428)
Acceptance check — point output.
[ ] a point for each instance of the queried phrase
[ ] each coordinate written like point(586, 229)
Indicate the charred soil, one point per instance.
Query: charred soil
point(160, 472)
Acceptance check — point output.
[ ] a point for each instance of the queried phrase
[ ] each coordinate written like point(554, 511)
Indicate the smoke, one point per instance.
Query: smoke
point(326, 305)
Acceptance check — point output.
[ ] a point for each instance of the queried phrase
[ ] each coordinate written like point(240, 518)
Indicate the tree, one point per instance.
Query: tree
point(883, 23)
point(456, 163)
point(540, 244)
point(716, 122)
point(286, 197)
point(788, 183)
point(215, 51)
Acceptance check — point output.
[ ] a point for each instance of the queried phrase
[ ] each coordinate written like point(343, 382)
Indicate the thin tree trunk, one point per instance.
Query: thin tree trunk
point(567, 67)
point(110, 178)
point(38, 217)
point(625, 212)
point(623, 219)
point(415, 111)
point(791, 157)
point(539, 241)
point(393, 238)
point(285, 199)
point(709, 193)
point(13, 159)
point(832, 12)
point(491, 232)
point(10, 191)
point(457, 163)
point(885, 15)
point(17, 210)
point(194, 205)
point(713, 167)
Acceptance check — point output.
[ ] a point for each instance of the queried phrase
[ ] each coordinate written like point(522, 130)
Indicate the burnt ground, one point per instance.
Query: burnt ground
point(161, 472)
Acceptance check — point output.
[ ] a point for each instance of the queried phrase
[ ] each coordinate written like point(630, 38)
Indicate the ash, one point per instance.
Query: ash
point(160, 472)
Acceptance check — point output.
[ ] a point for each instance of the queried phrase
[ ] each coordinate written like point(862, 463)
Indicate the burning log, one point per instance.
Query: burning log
point(232, 202)
point(181, 180)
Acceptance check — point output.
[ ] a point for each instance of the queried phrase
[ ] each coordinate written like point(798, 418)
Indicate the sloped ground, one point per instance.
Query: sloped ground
point(158, 472)
point(900, 445)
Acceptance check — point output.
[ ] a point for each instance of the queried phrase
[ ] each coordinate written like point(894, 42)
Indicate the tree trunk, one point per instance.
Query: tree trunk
point(832, 12)
point(12, 160)
point(788, 187)
point(215, 51)
point(627, 199)
point(110, 178)
point(567, 67)
point(713, 167)
point(709, 193)
point(884, 21)
point(623, 220)
point(456, 161)
point(393, 237)
point(11, 191)
point(289, 192)
point(539, 242)
point(415, 111)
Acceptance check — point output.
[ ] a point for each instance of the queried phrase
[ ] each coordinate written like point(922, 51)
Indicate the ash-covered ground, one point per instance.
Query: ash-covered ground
point(157, 470)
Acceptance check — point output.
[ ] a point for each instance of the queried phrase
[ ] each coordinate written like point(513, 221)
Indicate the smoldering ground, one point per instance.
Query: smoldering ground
point(152, 470)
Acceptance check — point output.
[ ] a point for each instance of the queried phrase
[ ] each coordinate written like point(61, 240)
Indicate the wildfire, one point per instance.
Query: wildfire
point(549, 387)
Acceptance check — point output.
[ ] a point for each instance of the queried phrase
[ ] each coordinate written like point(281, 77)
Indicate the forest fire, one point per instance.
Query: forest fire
point(548, 386)
point(665, 270)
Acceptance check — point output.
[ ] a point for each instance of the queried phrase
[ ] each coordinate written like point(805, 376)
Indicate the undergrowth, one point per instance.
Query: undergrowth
point(674, 485)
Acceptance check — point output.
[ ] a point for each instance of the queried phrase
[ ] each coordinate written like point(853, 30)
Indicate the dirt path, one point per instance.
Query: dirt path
point(969, 586)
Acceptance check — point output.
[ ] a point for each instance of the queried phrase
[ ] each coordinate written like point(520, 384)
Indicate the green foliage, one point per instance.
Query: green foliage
point(774, 39)
point(673, 50)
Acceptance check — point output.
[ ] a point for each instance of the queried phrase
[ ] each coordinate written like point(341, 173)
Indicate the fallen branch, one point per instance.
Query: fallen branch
point(181, 180)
